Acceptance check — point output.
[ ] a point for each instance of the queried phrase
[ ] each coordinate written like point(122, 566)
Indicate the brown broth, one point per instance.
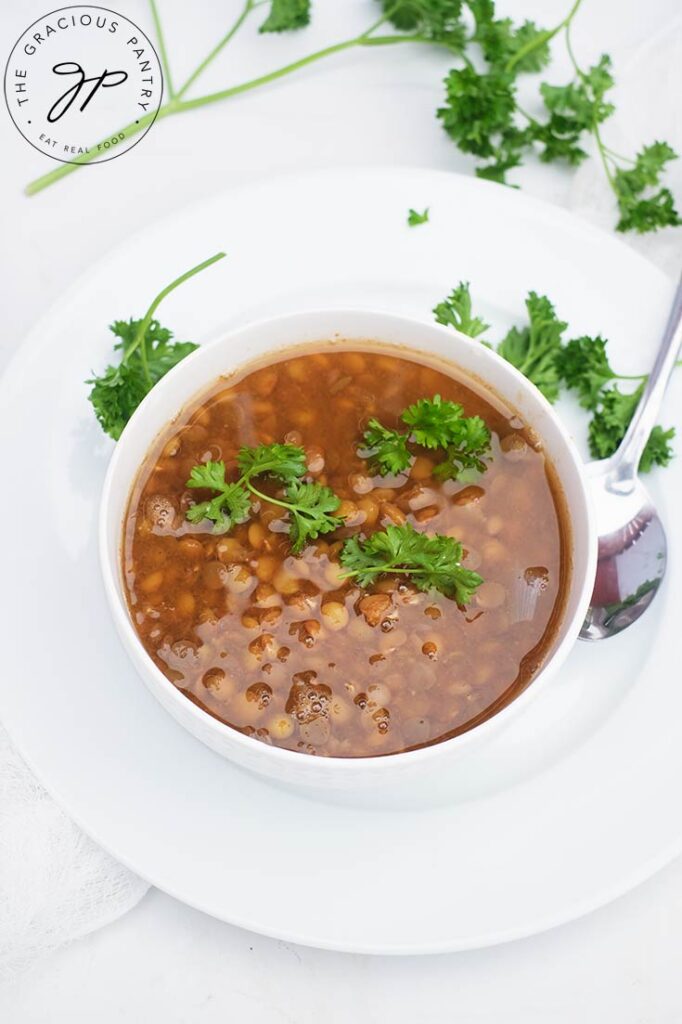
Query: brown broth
point(278, 646)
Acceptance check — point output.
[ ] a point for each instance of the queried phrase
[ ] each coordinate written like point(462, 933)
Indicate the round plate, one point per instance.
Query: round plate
point(574, 805)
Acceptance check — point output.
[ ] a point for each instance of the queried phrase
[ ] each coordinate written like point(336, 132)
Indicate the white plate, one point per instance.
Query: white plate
point(576, 804)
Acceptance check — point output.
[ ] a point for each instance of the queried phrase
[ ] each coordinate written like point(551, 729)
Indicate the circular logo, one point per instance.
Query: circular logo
point(83, 84)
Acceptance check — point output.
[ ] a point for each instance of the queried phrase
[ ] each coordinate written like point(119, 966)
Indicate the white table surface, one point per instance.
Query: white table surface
point(163, 961)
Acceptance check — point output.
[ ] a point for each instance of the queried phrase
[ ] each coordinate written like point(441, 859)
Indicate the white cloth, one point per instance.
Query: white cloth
point(56, 884)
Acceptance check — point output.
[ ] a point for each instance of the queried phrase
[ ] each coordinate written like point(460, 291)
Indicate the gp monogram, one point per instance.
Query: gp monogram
point(75, 76)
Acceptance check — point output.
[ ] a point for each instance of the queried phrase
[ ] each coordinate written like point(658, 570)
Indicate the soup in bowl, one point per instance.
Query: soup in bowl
point(341, 547)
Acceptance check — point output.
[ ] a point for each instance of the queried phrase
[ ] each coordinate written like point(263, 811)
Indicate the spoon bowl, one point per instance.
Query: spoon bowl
point(632, 553)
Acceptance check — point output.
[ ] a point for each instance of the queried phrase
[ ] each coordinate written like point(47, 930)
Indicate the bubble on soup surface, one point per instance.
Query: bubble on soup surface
point(308, 700)
point(160, 511)
point(185, 650)
point(259, 693)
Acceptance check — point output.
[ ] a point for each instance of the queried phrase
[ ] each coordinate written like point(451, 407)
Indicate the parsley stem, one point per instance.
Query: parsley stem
point(271, 76)
point(232, 31)
point(178, 105)
point(266, 497)
point(601, 148)
point(139, 339)
point(134, 128)
point(385, 570)
point(542, 38)
point(165, 64)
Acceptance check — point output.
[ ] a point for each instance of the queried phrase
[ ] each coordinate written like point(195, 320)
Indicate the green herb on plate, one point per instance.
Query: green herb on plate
point(581, 365)
point(533, 349)
point(610, 421)
point(455, 311)
point(147, 354)
point(414, 218)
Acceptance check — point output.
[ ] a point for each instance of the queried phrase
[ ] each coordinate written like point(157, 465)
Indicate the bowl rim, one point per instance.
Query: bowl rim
point(348, 766)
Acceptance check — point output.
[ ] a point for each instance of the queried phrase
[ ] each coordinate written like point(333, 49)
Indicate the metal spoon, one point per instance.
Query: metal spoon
point(632, 544)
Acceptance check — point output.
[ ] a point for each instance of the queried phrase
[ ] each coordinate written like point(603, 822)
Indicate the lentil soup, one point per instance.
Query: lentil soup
point(280, 646)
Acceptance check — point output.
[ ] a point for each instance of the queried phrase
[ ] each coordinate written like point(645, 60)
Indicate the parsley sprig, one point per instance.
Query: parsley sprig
point(435, 423)
point(310, 505)
point(581, 365)
point(147, 354)
point(431, 562)
point(480, 111)
point(482, 115)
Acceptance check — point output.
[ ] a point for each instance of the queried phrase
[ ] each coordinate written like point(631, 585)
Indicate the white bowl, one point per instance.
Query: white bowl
point(227, 354)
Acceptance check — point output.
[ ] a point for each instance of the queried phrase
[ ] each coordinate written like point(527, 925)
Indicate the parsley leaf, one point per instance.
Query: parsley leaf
point(584, 366)
point(231, 506)
point(286, 15)
point(639, 209)
point(574, 109)
point(455, 311)
point(386, 448)
point(116, 394)
point(283, 461)
point(432, 562)
point(479, 108)
point(414, 218)
point(470, 441)
point(500, 41)
point(434, 421)
point(311, 507)
point(657, 451)
point(610, 422)
point(534, 349)
point(147, 354)
point(436, 20)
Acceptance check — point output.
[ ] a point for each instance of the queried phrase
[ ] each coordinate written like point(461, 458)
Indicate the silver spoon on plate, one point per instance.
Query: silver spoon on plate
point(632, 544)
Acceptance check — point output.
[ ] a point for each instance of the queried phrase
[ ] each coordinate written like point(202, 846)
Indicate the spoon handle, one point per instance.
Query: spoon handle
point(625, 462)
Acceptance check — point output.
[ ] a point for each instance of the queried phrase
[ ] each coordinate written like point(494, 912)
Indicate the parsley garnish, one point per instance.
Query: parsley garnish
point(434, 423)
point(455, 311)
point(414, 218)
point(481, 114)
point(533, 349)
point(286, 15)
point(310, 505)
point(431, 562)
point(643, 204)
point(147, 354)
point(469, 441)
point(584, 366)
point(386, 448)
point(231, 506)
point(581, 365)
point(611, 420)
point(280, 461)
